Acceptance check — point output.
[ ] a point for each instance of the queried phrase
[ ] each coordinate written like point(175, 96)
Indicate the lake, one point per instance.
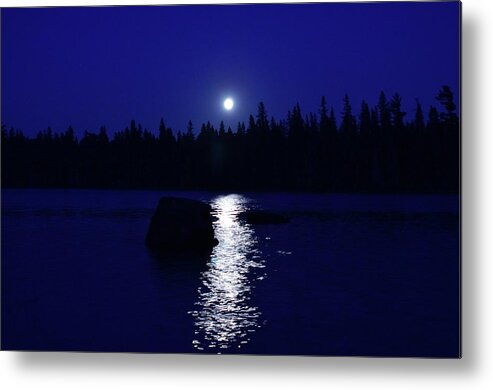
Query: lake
point(352, 275)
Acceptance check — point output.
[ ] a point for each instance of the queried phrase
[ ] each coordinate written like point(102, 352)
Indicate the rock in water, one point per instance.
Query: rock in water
point(182, 225)
point(261, 217)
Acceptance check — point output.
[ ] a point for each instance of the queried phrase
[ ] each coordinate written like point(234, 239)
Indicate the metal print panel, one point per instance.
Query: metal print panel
point(232, 179)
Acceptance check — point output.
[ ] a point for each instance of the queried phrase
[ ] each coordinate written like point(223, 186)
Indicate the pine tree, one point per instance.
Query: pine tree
point(397, 116)
point(365, 119)
point(189, 134)
point(419, 121)
point(262, 123)
point(324, 118)
point(446, 98)
point(348, 123)
point(383, 112)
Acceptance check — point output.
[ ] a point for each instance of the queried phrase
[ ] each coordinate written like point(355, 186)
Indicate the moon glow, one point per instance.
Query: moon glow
point(228, 104)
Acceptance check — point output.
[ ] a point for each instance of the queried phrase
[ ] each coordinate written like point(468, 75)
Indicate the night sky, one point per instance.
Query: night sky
point(88, 67)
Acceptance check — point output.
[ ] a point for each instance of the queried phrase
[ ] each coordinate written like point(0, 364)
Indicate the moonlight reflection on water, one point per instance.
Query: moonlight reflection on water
point(226, 319)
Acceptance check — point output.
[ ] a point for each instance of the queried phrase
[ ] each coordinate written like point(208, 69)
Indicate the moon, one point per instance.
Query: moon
point(228, 104)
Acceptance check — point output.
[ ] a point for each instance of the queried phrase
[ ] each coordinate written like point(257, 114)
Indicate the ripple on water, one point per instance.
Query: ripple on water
point(225, 319)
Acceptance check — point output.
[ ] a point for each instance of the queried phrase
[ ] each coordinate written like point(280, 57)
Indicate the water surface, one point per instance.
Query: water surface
point(349, 275)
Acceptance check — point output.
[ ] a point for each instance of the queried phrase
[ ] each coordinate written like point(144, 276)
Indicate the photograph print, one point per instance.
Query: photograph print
point(261, 179)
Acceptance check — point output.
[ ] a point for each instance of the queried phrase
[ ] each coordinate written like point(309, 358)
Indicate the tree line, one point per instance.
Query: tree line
point(381, 149)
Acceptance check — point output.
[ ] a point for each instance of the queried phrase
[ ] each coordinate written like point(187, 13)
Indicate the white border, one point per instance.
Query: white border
point(474, 371)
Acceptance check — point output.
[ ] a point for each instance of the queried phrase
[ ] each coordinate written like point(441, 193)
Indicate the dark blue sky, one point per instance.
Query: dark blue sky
point(87, 67)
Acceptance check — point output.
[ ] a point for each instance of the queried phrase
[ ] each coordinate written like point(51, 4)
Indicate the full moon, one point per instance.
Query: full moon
point(228, 104)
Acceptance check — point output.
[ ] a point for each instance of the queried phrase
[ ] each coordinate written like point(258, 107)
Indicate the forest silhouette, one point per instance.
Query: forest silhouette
point(382, 149)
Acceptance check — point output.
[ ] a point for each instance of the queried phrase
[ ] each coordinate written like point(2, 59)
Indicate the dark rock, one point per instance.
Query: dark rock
point(261, 217)
point(181, 225)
